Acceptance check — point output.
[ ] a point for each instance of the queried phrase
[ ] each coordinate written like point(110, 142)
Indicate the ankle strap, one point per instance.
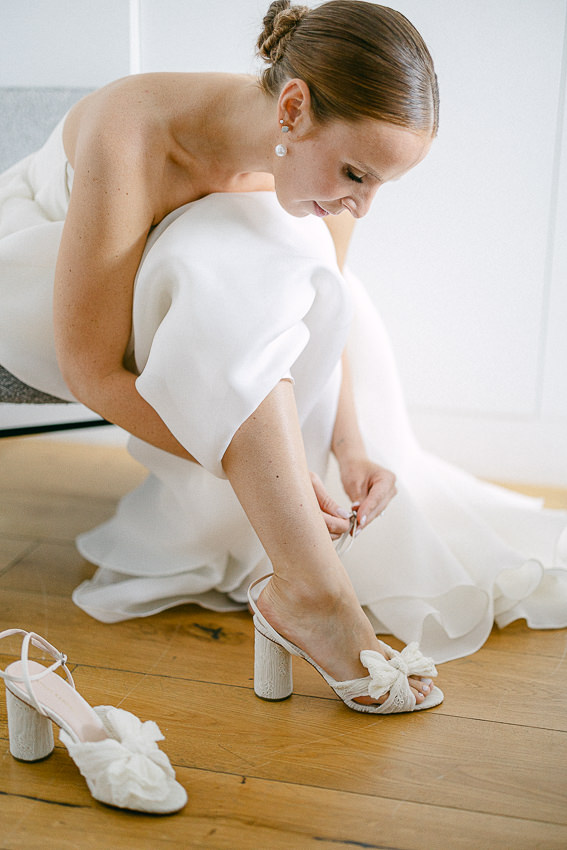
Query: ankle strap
point(252, 599)
point(26, 678)
point(345, 541)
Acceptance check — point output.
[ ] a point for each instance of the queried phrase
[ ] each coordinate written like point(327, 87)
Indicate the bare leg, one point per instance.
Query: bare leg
point(310, 599)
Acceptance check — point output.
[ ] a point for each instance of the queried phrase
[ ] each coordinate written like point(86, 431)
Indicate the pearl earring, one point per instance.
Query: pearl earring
point(281, 150)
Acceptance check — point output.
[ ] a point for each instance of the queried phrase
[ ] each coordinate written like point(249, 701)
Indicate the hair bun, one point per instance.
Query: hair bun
point(279, 23)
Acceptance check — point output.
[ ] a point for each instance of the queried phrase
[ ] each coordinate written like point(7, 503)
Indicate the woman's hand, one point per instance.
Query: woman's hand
point(336, 518)
point(369, 486)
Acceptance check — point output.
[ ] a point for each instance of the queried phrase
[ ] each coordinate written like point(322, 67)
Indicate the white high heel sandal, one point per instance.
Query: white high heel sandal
point(116, 753)
point(273, 672)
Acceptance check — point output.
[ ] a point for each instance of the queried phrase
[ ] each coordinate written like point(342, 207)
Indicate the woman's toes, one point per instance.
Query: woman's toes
point(423, 686)
point(419, 687)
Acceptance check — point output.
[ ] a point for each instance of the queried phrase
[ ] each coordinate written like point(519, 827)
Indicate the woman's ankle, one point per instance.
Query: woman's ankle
point(306, 594)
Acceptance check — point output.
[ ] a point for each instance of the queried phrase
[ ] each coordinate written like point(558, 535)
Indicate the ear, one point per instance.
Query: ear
point(294, 106)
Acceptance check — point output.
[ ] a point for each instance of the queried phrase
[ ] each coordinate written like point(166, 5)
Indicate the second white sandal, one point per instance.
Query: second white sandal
point(117, 754)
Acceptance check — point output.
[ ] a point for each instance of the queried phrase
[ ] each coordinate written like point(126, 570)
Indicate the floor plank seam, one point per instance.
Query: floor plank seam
point(352, 843)
point(34, 544)
point(44, 800)
point(504, 723)
point(8, 535)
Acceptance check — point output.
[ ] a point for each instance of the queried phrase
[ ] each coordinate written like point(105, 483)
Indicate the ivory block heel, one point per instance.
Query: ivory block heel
point(31, 735)
point(272, 669)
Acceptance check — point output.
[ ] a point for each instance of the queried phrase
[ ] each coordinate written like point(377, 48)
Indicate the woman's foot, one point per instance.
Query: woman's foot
point(330, 626)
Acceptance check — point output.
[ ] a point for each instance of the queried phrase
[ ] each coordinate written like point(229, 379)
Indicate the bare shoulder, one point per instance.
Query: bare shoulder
point(151, 128)
point(120, 116)
point(124, 135)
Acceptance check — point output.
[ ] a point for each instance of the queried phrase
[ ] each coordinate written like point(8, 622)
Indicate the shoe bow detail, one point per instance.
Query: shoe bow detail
point(127, 769)
point(391, 674)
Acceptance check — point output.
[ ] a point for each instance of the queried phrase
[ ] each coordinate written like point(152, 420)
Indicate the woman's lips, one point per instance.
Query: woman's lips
point(319, 211)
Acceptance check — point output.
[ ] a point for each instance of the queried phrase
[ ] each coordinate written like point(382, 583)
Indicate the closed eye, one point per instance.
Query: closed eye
point(352, 176)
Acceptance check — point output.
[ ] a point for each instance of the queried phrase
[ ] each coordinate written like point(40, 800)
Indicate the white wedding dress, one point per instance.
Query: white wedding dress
point(233, 295)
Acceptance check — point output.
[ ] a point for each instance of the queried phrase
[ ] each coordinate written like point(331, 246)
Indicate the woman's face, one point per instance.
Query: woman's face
point(338, 165)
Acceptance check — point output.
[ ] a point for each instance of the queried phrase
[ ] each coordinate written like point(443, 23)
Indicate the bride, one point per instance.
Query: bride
point(177, 222)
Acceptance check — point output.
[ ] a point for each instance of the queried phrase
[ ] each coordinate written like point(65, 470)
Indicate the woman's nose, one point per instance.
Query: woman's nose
point(359, 204)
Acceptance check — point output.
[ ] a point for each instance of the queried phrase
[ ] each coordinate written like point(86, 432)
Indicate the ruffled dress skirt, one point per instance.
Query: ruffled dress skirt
point(232, 296)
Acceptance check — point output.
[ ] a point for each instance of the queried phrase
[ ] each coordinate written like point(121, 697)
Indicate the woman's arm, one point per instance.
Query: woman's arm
point(110, 215)
point(369, 486)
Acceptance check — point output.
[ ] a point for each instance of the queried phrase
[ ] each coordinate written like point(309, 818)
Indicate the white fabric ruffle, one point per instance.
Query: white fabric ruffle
point(127, 769)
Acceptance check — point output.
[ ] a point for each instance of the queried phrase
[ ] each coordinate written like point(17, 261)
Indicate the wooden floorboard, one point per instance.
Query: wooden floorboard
point(486, 770)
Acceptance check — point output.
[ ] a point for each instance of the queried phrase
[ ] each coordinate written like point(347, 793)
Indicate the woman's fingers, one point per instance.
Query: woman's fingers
point(381, 492)
point(379, 489)
point(333, 528)
point(336, 517)
point(336, 525)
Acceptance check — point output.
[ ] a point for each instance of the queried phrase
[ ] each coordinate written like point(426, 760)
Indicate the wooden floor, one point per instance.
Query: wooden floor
point(485, 770)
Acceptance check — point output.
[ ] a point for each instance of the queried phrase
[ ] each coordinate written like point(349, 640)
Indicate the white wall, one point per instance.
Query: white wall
point(79, 43)
point(469, 250)
point(466, 257)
